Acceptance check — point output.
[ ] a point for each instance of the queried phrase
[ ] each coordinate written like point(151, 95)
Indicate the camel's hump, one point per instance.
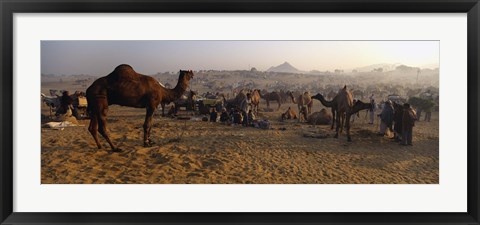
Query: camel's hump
point(124, 72)
point(123, 67)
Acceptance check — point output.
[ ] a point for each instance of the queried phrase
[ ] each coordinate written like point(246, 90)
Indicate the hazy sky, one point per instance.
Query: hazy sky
point(150, 57)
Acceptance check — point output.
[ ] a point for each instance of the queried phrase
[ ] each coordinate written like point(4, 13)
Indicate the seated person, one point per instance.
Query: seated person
point(237, 117)
point(171, 111)
point(224, 117)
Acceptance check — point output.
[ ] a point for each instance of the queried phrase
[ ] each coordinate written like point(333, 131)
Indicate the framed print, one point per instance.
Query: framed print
point(258, 112)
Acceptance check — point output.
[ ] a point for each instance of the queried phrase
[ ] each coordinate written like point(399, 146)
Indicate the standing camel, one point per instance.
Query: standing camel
point(126, 87)
point(330, 104)
point(272, 96)
point(255, 100)
point(344, 109)
point(359, 105)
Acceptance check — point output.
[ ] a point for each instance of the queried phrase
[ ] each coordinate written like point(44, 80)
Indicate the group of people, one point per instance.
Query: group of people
point(400, 119)
point(66, 108)
point(238, 115)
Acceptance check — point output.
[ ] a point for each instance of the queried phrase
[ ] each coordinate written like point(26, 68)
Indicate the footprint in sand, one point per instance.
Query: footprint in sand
point(212, 163)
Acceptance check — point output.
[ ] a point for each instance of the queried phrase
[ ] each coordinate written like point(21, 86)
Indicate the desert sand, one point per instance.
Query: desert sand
point(197, 152)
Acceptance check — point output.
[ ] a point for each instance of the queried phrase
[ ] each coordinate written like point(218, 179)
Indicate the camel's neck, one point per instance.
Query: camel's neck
point(293, 98)
point(177, 91)
point(361, 106)
point(324, 101)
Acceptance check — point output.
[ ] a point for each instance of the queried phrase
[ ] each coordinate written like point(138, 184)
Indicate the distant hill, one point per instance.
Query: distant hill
point(284, 68)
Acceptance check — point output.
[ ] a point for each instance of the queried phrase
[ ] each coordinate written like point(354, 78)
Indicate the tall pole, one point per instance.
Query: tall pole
point(418, 72)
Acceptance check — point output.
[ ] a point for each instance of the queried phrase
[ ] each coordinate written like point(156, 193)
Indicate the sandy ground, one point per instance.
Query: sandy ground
point(203, 152)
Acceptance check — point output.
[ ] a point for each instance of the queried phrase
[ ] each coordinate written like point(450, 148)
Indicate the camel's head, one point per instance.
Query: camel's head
point(186, 74)
point(359, 105)
point(317, 96)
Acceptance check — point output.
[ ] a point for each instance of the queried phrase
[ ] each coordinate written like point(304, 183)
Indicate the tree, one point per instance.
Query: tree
point(420, 103)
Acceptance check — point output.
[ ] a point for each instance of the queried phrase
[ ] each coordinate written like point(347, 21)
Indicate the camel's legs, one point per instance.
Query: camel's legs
point(102, 122)
point(333, 119)
point(279, 104)
point(93, 128)
point(147, 126)
point(163, 109)
point(347, 126)
point(342, 122)
point(338, 125)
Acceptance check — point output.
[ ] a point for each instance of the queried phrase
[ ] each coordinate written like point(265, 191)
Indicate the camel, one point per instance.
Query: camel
point(330, 104)
point(255, 100)
point(359, 105)
point(126, 87)
point(289, 114)
point(344, 100)
point(272, 96)
point(304, 102)
point(323, 117)
point(284, 95)
point(235, 102)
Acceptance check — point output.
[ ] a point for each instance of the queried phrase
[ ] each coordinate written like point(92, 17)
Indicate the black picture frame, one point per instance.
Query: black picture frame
point(9, 7)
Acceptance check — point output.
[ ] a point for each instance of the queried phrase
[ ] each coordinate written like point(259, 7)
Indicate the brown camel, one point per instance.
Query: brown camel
point(330, 104)
point(289, 114)
point(344, 100)
point(126, 87)
point(272, 96)
point(255, 100)
point(304, 102)
point(323, 117)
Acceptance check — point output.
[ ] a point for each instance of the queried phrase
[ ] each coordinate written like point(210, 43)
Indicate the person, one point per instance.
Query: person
point(428, 114)
point(398, 116)
point(408, 122)
point(237, 116)
point(386, 118)
point(66, 105)
point(251, 117)
point(213, 115)
point(245, 107)
point(224, 117)
point(171, 111)
point(419, 113)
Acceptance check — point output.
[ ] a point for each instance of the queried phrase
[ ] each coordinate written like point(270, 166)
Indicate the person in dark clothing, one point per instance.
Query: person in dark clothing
point(66, 104)
point(237, 117)
point(386, 118)
point(224, 117)
point(398, 115)
point(172, 111)
point(408, 122)
point(213, 115)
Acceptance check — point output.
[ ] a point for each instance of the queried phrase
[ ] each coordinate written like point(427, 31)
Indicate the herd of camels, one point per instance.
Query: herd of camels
point(125, 87)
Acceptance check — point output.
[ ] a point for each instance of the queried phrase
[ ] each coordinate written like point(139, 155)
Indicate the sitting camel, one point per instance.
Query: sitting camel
point(289, 114)
point(126, 87)
point(323, 117)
